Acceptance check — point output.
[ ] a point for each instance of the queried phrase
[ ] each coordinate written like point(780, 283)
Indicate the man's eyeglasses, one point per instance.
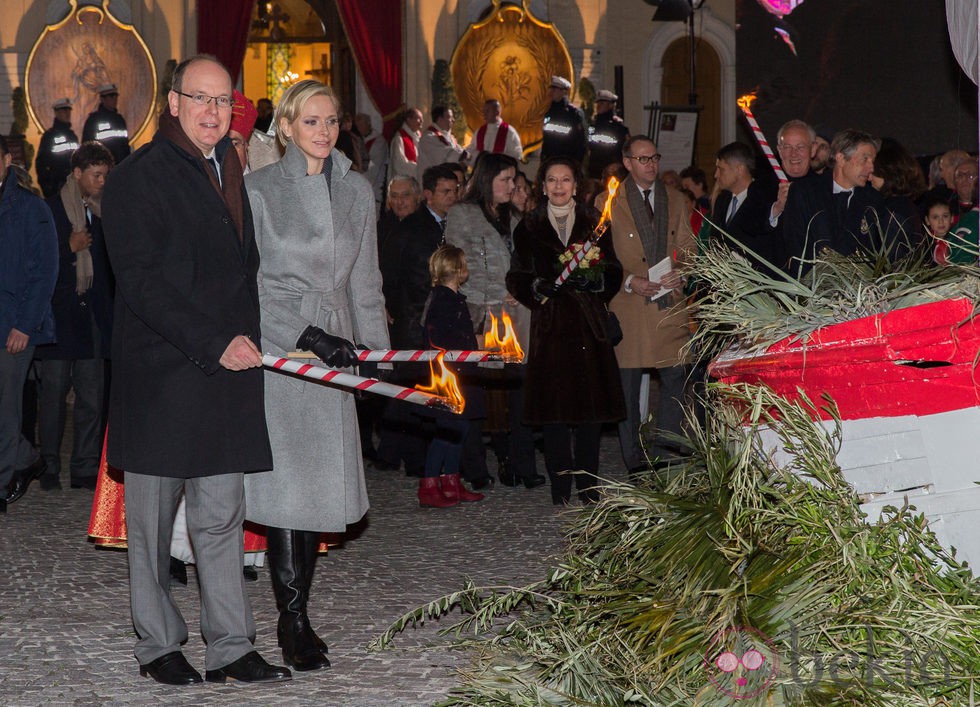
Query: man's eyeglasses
point(795, 149)
point(645, 159)
point(200, 99)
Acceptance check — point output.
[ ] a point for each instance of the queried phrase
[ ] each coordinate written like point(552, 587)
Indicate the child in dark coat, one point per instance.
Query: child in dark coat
point(447, 325)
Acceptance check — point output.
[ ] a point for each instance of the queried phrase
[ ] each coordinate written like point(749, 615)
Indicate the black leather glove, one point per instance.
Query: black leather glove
point(335, 351)
point(543, 289)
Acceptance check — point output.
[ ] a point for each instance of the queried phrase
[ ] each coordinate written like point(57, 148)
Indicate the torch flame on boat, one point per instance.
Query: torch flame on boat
point(745, 102)
point(445, 384)
point(507, 344)
point(606, 216)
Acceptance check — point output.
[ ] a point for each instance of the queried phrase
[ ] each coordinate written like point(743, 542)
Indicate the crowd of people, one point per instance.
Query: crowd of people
point(244, 229)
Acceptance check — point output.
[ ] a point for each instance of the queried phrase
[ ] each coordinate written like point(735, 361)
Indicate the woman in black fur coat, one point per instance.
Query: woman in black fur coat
point(572, 384)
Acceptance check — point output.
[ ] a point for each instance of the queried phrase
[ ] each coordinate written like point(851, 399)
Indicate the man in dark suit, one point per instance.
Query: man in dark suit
point(28, 270)
point(186, 410)
point(741, 213)
point(405, 271)
point(405, 256)
point(82, 305)
point(838, 209)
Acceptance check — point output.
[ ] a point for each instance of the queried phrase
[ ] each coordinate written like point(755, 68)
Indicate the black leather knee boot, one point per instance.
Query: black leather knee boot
point(310, 548)
point(291, 577)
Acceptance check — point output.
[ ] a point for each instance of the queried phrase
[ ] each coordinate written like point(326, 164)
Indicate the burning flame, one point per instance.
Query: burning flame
point(508, 345)
point(607, 209)
point(444, 384)
point(744, 102)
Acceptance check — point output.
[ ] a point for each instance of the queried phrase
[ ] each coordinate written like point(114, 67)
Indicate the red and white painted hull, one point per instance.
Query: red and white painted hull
point(907, 389)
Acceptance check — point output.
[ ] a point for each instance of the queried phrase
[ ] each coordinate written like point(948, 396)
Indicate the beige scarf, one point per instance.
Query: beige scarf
point(567, 214)
point(71, 197)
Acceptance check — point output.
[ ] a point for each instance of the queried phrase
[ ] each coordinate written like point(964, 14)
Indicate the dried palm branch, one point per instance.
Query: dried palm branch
point(742, 306)
point(729, 552)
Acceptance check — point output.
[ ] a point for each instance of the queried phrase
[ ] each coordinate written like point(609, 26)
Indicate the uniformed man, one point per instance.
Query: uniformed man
point(107, 125)
point(606, 134)
point(564, 124)
point(54, 153)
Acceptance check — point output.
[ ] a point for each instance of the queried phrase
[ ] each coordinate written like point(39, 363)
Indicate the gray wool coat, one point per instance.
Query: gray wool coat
point(319, 265)
point(488, 260)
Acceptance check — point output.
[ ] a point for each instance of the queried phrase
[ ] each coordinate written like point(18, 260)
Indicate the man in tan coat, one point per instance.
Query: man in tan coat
point(650, 226)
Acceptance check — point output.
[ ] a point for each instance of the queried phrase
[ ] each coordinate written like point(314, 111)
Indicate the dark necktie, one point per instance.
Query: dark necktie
point(646, 204)
point(442, 229)
point(213, 164)
point(732, 210)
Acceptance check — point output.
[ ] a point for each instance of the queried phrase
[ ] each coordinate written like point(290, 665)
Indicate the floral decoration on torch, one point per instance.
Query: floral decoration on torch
point(577, 253)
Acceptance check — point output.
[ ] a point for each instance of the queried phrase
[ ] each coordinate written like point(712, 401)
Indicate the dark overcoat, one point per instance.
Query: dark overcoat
point(73, 312)
point(185, 287)
point(28, 262)
point(811, 221)
point(405, 269)
point(572, 375)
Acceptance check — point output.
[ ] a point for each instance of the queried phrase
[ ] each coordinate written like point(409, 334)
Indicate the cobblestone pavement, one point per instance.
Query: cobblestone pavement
point(66, 636)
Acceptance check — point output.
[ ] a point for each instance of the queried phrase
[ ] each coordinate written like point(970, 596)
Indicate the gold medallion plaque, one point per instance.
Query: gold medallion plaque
point(85, 50)
point(511, 56)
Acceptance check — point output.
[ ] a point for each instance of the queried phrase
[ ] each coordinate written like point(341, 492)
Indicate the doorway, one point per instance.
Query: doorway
point(676, 88)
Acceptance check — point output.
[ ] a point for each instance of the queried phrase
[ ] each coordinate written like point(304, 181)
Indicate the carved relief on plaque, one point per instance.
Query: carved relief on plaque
point(511, 56)
point(86, 49)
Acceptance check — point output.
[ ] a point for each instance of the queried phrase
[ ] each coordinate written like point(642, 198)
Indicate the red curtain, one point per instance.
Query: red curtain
point(222, 30)
point(374, 30)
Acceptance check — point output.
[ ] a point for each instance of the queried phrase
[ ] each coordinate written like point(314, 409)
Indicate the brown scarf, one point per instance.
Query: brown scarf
point(653, 236)
point(230, 187)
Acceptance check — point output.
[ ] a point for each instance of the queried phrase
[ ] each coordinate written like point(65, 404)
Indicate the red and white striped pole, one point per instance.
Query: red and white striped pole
point(349, 380)
point(396, 356)
point(744, 102)
point(401, 355)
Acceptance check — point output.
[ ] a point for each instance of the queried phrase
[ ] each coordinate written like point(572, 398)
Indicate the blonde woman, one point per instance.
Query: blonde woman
point(319, 288)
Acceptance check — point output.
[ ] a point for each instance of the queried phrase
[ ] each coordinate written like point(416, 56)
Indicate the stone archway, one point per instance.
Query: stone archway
point(721, 37)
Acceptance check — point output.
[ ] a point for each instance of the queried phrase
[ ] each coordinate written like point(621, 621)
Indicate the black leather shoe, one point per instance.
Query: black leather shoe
point(3, 506)
point(171, 669)
point(251, 667)
point(178, 572)
point(486, 482)
point(250, 573)
point(533, 481)
point(15, 489)
point(505, 473)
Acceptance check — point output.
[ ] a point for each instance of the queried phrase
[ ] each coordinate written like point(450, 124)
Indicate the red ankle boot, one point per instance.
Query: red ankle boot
point(453, 488)
point(431, 495)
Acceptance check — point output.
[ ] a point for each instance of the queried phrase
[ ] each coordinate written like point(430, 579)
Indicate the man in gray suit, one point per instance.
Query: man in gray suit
point(186, 412)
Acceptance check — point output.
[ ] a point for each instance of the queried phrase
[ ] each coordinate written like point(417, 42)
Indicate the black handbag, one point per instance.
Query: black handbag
point(614, 331)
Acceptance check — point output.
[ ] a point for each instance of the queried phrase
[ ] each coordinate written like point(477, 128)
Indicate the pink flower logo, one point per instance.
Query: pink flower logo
point(741, 662)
